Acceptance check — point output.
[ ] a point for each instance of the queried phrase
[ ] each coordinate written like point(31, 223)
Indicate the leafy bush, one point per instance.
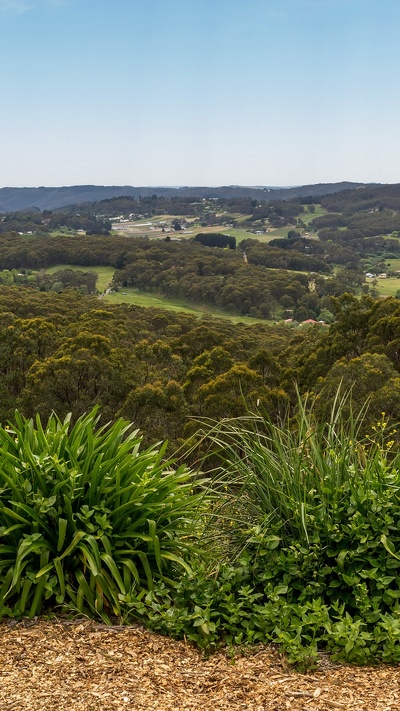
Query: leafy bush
point(87, 520)
point(313, 516)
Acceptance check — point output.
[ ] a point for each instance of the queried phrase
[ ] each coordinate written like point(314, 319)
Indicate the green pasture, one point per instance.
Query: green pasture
point(241, 234)
point(393, 265)
point(386, 287)
point(130, 295)
point(238, 216)
point(237, 232)
point(391, 238)
point(195, 229)
point(274, 233)
point(307, 217)
point(104, 274)
point(140, 229)
point(390, 286)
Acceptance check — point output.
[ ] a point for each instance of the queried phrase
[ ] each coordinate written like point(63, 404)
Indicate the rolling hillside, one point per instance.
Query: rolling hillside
point(50, 198)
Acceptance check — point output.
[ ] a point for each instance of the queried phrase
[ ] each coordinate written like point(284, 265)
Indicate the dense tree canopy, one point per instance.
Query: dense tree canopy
point(60, 348)
point(67, 351)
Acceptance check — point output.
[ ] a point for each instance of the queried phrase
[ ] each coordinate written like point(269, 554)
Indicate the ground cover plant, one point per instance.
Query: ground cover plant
point(308, 524)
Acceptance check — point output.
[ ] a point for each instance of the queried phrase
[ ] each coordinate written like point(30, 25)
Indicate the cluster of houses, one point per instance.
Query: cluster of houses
point(307, 322)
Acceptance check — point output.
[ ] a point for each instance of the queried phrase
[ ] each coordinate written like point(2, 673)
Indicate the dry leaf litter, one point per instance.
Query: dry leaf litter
point(81, 666)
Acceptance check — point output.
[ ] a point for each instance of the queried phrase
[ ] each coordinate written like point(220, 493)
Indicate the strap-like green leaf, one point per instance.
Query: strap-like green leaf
point(78, 537)
point(24, 595)
point(13, 514)
point(114, 571)
point(62, 529)
point(37, 602)
point(60, 575)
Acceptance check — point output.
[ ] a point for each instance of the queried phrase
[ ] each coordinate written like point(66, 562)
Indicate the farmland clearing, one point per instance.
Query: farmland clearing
point(129, 295)
point(104, 274)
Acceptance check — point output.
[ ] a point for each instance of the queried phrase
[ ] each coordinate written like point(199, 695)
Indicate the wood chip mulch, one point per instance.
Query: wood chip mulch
point(81, 666)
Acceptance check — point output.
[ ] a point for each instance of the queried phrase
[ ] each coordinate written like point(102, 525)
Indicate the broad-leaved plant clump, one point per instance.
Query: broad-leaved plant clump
point(88, 520)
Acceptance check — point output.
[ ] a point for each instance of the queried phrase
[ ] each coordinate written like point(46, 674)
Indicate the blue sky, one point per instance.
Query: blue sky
point(199, 92)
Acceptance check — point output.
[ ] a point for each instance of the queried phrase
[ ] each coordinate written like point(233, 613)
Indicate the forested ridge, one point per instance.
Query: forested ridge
point(187, 270)
point(65, 352)
point(291, 277)
point(12, 199)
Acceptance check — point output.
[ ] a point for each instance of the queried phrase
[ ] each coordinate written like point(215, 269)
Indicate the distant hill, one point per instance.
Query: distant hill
point(378, 197)
point(43, 198)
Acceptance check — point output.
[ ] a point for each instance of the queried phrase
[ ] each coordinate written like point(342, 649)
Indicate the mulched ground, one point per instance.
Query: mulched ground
point(81, 666)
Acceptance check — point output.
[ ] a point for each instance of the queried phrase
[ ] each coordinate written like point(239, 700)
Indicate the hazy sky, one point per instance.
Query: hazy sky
point(199, 92)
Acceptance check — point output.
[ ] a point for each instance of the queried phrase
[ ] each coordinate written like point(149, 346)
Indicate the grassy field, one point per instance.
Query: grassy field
point(274, 233)
point(386, 287)
point(236, 232)
point(133, 296)
point(239, 234)
point(104, 274)
point(243, 234)
point(393, 265)
point(307, 217)
point(143, 229)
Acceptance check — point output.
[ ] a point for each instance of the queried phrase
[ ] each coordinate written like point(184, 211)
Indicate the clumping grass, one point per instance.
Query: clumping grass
point(296, 477)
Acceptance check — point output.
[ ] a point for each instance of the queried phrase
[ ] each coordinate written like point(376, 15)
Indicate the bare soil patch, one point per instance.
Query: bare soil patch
point(81, 666)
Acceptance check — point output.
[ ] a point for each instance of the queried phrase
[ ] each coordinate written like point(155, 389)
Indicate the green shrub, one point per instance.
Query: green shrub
point(311, 515)
point(87, 520)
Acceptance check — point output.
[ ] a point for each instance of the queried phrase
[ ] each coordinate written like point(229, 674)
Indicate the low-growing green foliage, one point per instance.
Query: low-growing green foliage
point(88, 520)
point(312, 516)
